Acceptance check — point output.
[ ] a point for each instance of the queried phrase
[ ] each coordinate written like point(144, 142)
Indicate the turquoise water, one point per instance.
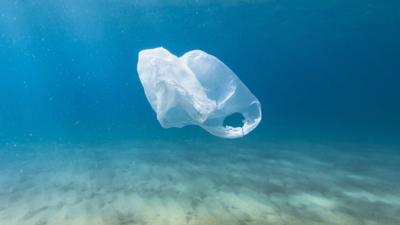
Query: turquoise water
point(80, 144)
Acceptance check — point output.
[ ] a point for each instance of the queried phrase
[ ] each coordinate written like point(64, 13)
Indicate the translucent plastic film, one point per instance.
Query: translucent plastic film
point(197, 89)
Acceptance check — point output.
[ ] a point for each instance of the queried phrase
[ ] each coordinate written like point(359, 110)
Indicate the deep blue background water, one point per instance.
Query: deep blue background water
point(321, 69)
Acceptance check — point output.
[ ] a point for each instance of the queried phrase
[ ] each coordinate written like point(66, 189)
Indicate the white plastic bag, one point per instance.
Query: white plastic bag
point(196, 89)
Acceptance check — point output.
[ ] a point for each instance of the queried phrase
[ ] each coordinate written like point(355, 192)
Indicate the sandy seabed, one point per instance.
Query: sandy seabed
point(170, 183)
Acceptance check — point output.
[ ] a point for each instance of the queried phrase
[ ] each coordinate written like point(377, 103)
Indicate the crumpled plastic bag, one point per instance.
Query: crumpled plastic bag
point(196, 89)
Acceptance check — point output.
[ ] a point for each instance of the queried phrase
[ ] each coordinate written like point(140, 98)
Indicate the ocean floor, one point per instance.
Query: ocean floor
point(203, 183)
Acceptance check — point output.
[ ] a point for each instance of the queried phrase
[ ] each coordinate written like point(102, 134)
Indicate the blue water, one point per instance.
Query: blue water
point(325, 72)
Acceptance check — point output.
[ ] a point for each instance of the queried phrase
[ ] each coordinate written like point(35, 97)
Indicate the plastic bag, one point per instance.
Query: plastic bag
point(196, 89)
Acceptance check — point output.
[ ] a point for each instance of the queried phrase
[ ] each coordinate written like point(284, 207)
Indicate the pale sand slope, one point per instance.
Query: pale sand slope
point(169, 183)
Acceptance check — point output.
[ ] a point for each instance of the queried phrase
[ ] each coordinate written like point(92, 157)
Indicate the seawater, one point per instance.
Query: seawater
point(80, 144)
